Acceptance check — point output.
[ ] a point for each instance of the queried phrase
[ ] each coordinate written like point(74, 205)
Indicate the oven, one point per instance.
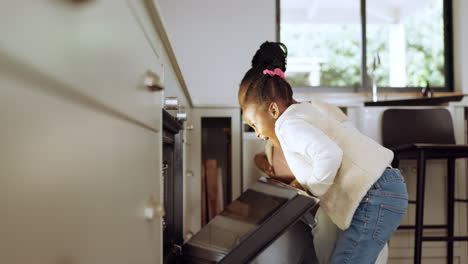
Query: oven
point(269, 223)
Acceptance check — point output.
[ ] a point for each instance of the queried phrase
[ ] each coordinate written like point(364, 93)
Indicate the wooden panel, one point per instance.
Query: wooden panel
point(203, 196)
point(211, 171)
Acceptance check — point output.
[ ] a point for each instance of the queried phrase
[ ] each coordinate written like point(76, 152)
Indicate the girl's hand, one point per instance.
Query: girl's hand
point(262, 163)
point(269, 170)
point(297, 185)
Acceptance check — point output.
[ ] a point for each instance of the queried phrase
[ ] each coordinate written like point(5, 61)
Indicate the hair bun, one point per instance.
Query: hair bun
point(270, 55)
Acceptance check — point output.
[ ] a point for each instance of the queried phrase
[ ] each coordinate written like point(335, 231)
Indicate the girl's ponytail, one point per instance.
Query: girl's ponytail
point(265, 81)
point(270, 55)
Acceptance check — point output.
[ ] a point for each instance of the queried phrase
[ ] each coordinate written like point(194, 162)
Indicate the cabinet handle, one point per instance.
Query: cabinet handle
point(182, 116)
point(153, 82)
point(153, 209)
point(171, 103)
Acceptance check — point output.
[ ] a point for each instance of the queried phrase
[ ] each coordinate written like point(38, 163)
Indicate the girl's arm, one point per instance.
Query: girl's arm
point(319, 156)
point(262, 164)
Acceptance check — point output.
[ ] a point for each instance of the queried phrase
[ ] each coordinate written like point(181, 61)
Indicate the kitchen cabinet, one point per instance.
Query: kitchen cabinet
point(95, 50)
point(401, 247)
point(81, 135)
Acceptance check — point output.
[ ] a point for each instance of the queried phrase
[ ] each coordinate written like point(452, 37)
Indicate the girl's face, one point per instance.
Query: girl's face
point(262, 121)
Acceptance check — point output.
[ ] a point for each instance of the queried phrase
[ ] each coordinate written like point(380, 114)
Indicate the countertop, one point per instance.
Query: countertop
point(359, 99)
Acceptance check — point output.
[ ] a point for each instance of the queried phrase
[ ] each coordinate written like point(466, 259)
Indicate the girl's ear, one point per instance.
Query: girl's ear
point(273, 110)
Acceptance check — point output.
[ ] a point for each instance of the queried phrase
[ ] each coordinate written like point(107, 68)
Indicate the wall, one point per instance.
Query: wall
point(208, 35)
point(460, 20)
point(214, 42)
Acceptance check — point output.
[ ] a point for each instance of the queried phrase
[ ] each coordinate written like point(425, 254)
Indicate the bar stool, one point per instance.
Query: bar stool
point(424, 134)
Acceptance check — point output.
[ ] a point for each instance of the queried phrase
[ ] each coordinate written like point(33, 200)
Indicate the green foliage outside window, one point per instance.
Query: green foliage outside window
point(339, 50)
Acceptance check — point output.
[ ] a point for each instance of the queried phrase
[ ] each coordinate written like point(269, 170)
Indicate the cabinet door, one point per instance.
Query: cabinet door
point(80, 136)
point(96, 50)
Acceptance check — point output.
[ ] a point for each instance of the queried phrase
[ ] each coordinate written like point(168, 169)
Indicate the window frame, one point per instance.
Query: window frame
point(365, 87)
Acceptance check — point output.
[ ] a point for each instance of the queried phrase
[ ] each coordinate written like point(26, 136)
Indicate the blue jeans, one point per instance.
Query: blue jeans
point(378, 216)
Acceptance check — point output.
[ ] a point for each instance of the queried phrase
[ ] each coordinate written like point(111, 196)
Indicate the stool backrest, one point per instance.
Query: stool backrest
point(409, 126)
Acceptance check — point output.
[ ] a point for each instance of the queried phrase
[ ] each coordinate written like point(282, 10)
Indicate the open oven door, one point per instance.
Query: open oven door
point(269, 223)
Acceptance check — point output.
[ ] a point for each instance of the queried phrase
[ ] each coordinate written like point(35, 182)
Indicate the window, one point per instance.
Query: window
point(407, 43)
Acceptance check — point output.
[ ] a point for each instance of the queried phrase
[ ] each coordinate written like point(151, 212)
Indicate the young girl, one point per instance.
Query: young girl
point(347, 170)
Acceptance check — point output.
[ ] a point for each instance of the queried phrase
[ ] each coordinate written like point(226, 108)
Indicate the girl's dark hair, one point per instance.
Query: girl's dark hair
point(263, 88)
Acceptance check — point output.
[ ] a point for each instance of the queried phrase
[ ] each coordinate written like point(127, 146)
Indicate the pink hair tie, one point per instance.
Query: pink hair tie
point(275, 72)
